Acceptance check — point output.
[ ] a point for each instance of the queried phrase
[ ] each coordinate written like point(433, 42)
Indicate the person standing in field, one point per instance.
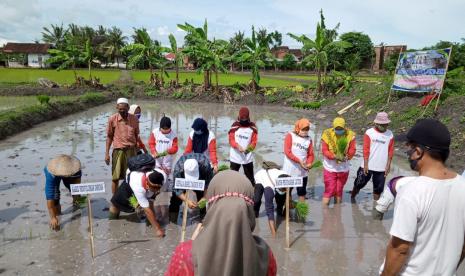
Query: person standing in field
point(378, 150)
point(298, 154)
point(137, 111)
point(122, 134)
point(243, 140)
point(338, 147)
point(202, 140)
point(428, 228)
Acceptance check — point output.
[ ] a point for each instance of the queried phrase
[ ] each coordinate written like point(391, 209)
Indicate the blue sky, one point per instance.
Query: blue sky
point(412, 22)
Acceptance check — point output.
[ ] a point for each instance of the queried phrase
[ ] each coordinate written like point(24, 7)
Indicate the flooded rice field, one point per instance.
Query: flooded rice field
point(343, 240)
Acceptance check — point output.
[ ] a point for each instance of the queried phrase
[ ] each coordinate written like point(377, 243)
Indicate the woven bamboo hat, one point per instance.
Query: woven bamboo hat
point(64, 165)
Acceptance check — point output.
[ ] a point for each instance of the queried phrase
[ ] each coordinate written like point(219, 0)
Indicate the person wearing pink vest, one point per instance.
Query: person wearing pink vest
point(378, 150)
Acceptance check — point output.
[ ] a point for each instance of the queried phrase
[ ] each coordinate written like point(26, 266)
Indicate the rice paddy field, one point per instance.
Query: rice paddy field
point(223, 79)
point(12, 102)
point(14, 76)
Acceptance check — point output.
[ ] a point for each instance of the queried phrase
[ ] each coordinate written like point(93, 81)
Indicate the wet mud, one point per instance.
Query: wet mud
point(341, 240)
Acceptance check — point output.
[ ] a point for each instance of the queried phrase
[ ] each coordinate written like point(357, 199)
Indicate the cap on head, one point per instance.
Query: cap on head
point(382, 118)
point(429, 132)
point(339, 122)
point(191, 169)
point(122, 101)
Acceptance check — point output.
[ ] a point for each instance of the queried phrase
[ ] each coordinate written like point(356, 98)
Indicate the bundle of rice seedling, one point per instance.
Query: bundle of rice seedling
point(202, 203)
point(342, 144)
point(133, 202)
point(163, 154)
point(302, 210)
point(317, 164)
point(249, 149)
point(223, 167)
point(80, 201)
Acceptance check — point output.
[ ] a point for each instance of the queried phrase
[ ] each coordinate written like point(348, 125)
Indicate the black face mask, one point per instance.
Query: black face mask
point(413, 163)
point(123, 114)
point(244, 122)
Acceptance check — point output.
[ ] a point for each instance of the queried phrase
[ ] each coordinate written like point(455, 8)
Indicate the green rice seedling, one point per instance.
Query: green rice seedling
point(163, 154)
point(43, 99)
point(317, 164)
point(249, 149)
point(342, 144)
point(302, 210)
point(223, 167)
point(133, 202)
point(80, 201)
point(202, 203)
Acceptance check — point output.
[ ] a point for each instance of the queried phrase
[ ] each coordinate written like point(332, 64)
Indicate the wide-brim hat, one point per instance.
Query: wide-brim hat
point(382, 118)
point(64, 165)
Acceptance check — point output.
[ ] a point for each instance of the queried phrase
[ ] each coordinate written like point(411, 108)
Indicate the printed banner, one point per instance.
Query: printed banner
point(421, 71)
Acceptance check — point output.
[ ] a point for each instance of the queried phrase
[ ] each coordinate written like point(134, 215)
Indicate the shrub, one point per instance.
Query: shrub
point(307, 105)
point(92, 97)
point(43, 99)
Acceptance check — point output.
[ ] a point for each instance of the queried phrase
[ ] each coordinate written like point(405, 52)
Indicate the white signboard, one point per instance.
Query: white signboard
point(289, 182)
point(87, 188)
point(186, 184)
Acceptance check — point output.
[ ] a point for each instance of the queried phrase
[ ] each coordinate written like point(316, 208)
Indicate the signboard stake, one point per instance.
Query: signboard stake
point(445, 77)
point(287, 217)
point(184, 217)
point(91, 228)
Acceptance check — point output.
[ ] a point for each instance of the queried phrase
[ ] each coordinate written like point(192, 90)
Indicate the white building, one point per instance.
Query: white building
point(32, 55)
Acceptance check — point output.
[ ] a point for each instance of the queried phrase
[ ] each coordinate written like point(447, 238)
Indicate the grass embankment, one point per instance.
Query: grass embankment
point(15, 120)
point(12, 102)
point(24, 76)
point(223, 79)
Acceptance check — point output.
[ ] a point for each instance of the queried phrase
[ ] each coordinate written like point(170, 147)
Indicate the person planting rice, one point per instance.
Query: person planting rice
point(225, 244)
point(338, 148)
point(265, 180)
point(144, 183)
point(201, 140)
point(64, 168)
point(194, 166)
point(122, 134)
point(378, 150)
point(137, 111)
point(243, 140)
point(163, 144)
point(298, 154)
point(389, 195)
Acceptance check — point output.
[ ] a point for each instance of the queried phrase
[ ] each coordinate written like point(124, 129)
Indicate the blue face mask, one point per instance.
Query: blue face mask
point(138, 115)
point(340, 132)
point(198, 132)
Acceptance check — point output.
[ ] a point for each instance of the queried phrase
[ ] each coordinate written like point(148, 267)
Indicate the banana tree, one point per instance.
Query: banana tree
point(88, 56)
point(66, 58)
point(198, 49)
point(178, 56)
point(318, 49)
point(219, 53)
point(255, 54)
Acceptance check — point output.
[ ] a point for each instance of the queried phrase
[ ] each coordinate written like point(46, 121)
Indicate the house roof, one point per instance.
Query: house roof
point(26, 48)
point(296, 52)
point(170, 56)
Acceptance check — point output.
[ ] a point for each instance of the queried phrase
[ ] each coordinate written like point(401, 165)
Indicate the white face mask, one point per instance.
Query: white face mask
point(303, 133)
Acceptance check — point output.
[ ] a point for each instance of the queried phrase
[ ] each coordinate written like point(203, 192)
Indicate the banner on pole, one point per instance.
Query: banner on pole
point(185, 184)
point(289, 182)
point(421, 71)
point(87, 188)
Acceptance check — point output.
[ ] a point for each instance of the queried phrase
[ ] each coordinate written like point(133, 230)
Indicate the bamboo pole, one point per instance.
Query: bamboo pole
point(287, 217)
point(184, 217)
point(442, 87)
point(89, 208)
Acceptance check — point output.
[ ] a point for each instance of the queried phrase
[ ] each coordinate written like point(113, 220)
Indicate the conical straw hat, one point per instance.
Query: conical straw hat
point(64, 165)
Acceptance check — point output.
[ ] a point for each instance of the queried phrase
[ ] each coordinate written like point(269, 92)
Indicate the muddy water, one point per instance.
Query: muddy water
point(335, 241)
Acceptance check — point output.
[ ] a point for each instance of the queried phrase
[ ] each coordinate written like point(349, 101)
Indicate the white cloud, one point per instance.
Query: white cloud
point(163, 31)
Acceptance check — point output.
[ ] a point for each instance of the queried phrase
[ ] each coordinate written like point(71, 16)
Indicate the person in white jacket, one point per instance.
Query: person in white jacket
point(389, 195)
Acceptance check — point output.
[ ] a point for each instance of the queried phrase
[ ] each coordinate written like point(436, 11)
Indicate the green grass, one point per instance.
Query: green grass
point(223, 79)
point(17, 76)
point(12, 102)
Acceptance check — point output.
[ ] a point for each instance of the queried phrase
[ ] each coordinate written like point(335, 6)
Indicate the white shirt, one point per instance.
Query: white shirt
point(300, 146)
point(243, 137)
point(430, 213)
point(379, 149)
point(142, 195)
point(387, 198)
point(163, 143)
point(261, 177)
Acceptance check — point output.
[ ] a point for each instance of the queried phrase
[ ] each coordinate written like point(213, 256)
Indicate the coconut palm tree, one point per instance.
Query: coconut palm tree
point(114, 43)
point(54, 35)
point(318, 49)
point(255, 55)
